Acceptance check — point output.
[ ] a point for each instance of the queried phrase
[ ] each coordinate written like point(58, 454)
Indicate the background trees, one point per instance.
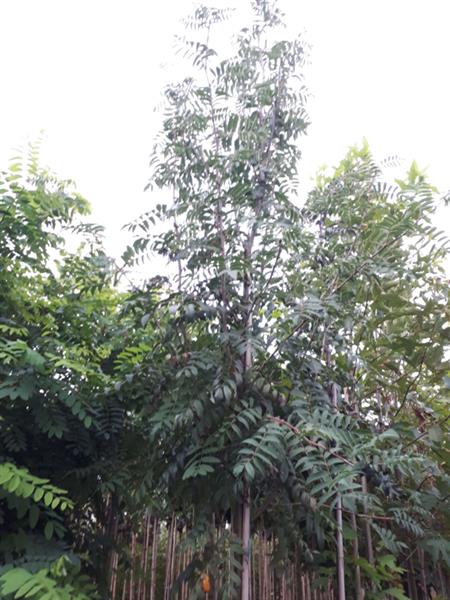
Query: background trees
point(271, 417)
point(58, 423)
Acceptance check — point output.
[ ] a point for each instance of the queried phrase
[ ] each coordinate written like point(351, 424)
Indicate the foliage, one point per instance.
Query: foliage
point(56, 331)
point(54, 583)
point(293, 370)
point(305, 344)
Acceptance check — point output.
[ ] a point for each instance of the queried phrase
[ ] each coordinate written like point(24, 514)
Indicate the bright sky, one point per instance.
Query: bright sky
point(90, 72)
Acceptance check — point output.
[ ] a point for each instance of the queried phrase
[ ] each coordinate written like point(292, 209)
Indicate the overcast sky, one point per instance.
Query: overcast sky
point(90, 72)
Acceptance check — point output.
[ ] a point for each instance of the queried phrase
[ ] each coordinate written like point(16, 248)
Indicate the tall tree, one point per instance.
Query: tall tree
point(276, 405)
point(269, 420)
point(228, 151)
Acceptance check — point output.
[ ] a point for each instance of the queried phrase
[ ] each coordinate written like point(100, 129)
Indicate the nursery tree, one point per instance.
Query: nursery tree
point(277, 404)
point(301, 341)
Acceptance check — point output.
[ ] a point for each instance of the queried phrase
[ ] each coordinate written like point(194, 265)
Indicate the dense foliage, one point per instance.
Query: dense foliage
point(282, 395)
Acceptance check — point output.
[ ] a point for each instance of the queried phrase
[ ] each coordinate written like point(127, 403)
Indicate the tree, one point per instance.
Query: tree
point(275, 409)
point(56, 330)
point(271, 419)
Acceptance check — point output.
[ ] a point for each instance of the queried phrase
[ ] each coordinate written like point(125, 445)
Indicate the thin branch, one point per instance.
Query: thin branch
point(414, 381)
point(419, 437)
point(269, 280)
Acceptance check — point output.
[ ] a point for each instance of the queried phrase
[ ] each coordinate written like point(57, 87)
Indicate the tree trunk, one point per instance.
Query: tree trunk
point(154, 558)
point(412, 587)
point(169, 559)
point(423, 577)
point(245, 580)
point(340, 550)
point(339, 535)
point(442, 582)
point(369, 544)
point(358, 588)
point(133, 559)
point(146, 543)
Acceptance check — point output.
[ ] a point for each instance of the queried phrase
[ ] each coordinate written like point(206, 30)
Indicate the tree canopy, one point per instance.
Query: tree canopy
point(266, 418)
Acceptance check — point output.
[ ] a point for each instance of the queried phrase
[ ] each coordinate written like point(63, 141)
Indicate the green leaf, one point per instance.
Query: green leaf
point(33, 515)
point(13, 579)
point(396, 593)
point(13, 484)
point(435, 433)
point(48, 530)
point(249, 471)
point(38, 494)
point(5, 474)
point(48, 498)
point(34, 358)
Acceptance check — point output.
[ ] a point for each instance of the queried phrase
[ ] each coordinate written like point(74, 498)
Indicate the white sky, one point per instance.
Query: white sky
point(89, 72)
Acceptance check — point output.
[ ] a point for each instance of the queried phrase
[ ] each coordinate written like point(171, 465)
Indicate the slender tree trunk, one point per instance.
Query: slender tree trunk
point(145, 553)
point(111, 528)
point(149, 530)
point(308, 587)
point(254, 570)
point(154, 558)
point(169, 559)
point(246, 506)
point(174, 551)
point(442, 582)
point(245, 583)
point(124, 588)
point(133, 559)
point(113, 583)
point(261, 566)
point(283, 587)
point(339, 535)
point(358, 588)
point(369, 544)
point(412, 580)
point(423, 577)
point(340, 550)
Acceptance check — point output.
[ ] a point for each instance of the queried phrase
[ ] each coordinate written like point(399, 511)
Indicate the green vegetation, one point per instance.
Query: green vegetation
point(269, 420)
